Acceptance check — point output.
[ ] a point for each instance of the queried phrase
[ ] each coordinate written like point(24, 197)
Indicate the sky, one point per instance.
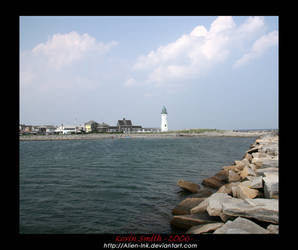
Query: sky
point(209, 71)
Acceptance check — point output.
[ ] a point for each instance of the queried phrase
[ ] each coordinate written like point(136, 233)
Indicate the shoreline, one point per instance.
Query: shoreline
point(244, 199)
point(226, 133)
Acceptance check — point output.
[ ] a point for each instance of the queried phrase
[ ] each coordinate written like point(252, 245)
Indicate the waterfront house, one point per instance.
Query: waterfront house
point(102, 127)
point(126, 126)
point(90, 126)
point(113, 129)
point(67, 129)
point(50, 129)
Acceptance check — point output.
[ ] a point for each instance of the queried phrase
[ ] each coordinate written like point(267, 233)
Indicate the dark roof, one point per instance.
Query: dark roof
point(124, 122)
point(90, 122)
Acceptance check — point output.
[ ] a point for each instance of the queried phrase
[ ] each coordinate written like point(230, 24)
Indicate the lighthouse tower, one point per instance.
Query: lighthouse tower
point(164, 119)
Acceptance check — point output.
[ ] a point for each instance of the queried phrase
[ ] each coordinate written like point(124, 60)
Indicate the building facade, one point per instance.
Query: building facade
point(90, 126)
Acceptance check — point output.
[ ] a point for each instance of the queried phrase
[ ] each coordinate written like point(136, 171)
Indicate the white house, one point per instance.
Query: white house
point(68, 129)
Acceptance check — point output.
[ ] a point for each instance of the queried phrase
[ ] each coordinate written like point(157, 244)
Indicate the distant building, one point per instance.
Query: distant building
point(90, 126)
point(102, 127)
point(126, 126)
point(46, 129)
point(164, 120)
point(112, 129)
point(67, 129)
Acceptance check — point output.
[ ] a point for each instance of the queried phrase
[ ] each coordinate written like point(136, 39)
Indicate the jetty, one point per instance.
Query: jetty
point(170, 134)
point(239, 199)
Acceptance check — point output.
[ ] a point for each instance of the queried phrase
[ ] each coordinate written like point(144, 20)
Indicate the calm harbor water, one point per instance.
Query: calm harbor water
point(114, 185)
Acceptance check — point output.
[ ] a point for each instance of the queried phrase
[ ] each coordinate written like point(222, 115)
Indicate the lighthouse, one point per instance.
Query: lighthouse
point(164, 119)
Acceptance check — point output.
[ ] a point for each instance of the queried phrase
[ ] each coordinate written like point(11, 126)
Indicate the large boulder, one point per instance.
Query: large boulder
point(265, 161)
point(259, 208)
point(212, 182)
point(270, 163)
point(184, 206)
point(213, 204)
point(233, 176)
point(253, 149)
point(270, 149)
point(241, 226)
point(262, 171)
point(202, 193)
point(189, 220)
point(259, 155)
point(222, 176)
point(231, 167)
point(247, 171)
point(241, 164)
point(227, 188)
point(270, 184)
point(210, 227)
point(248, 157)
point(256, 182)
point(273, 229)
point(188, 186)
point(243, 192)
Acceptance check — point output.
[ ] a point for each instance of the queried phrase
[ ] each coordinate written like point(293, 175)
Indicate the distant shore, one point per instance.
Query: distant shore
point(227, 133)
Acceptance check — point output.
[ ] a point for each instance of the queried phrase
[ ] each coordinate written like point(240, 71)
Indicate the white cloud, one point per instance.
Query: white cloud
point(258, 48)
point(251, 25)
point(195, 53)
point(63, 49)
point(40, 67)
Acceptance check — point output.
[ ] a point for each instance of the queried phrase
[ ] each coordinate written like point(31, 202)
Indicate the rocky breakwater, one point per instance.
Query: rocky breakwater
point(244, 196)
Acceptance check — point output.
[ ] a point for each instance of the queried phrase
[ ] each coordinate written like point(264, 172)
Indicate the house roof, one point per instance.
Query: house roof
point(90, 122)
point(124, 122)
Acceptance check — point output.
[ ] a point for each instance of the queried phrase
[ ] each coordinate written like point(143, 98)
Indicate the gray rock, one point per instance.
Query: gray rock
point(270, 184)
point(184, 206)
point(225, 217)
point(259, 155)
point(241, 226)
point(202, 207)
point(269, 163)
point(187, 221)
point(247, 171)
point(213, 204)
point(262, 171)
point(273, 229)
point(256, 182)
point(227, 188)
point(259, 208)
point(270, 149)
point(210, 227)
point(215, 201)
